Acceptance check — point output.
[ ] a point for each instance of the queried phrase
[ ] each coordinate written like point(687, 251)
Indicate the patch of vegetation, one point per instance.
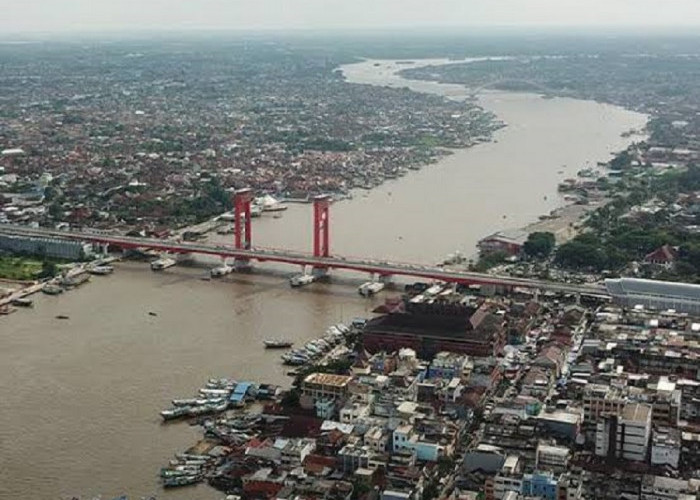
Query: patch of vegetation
point(489, 260)
point(539, 244)
point(20, 268)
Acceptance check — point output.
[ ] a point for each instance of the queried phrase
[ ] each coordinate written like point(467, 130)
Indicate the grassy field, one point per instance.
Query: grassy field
point(19, 268)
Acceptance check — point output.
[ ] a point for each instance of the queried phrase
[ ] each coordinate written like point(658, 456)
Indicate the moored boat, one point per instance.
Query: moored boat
point(101, 270)
point(162, 263)
point(174, 482)
point(175, 413)
point(277, 343)
point(51, 289)
point(301, 280)
point(22, 302)
point(222, 270)
point(370, 288)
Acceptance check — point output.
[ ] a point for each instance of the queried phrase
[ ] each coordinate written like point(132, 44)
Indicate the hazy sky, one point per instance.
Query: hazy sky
point(96, 15)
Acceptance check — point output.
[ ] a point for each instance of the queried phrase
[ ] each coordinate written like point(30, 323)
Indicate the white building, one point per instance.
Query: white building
point(660, 295)
point(625, 435)
point(509, 479)
point(551, 457)
point(666, 447)
point(666, 488)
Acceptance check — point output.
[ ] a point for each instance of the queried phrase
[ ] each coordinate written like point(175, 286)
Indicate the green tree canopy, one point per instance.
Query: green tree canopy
point(539, 244)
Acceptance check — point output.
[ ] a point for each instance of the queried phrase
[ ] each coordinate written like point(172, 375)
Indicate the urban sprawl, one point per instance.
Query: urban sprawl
point(448, 391)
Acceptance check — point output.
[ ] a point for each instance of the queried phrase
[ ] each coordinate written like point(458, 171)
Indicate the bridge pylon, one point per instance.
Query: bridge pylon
point(243, 236)
point(322, 225)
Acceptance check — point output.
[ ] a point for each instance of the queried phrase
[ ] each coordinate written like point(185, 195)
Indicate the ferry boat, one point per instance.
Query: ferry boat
point(101, 270)
point(221, 271)
point(301, 280)
point(162, 263)
point(370, 288)
point(278, 344)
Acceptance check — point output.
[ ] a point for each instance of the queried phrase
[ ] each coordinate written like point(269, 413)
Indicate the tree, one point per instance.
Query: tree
point(430, 491)
point(48, 270)
point(579, 254)
point(539, 244)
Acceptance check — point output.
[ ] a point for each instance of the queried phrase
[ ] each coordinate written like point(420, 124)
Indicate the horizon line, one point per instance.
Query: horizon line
point(522, 29)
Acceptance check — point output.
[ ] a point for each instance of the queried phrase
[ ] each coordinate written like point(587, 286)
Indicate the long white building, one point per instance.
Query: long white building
point(652, 294)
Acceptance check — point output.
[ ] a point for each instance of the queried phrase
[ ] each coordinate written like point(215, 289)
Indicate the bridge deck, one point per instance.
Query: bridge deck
point(303, 259)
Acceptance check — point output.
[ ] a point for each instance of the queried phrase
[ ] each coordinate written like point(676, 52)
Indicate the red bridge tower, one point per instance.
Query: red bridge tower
point(321, 226)
point(242, 199)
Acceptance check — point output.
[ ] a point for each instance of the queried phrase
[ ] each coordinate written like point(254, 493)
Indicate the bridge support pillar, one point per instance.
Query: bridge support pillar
point(242, 220)
point(319, 272)
point(321, 226)
point(243, 231)
point(241, 264)
point(384, 278)
point(321, 232)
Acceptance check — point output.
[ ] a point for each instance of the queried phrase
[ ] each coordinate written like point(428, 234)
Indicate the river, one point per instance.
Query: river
point(80, 397)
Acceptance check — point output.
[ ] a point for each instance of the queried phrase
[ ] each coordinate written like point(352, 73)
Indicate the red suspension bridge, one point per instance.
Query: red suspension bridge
point(320, 261)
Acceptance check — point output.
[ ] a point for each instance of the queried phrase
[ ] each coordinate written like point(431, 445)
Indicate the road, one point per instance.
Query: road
point(380, 268)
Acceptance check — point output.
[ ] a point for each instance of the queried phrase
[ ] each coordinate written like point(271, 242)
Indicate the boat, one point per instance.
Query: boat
point(62, 316)
point(174, 482)
point(191, 456)
point(184, 402)
point(52, 289)
point(370, 288)
point(76, 279)
point(215, 392)
point(22, 302)
point(162, 263)
point(5, 310)
point(256, 210)
point(277, 344)
point(222, 270)
point(301, 280)
point(268, 203)
point(151, 313)
point(175, 413)
point(101, 270)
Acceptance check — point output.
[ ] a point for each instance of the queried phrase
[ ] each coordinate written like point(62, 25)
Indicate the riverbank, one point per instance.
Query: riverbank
point(112, 366)
point(558, 215)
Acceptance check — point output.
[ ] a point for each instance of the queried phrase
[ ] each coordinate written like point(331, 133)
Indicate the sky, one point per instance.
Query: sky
point(171, 15)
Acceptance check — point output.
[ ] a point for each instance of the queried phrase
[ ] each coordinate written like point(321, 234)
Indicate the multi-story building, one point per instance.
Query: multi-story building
point(666, 488)
point(449, 365)
point(325, 388)
point(554, 458)
point(508, 479)
point(601, 400)
point(432, 328)
point(377, 438)
point(666, 447)
point(45, 247)
point(625, 435)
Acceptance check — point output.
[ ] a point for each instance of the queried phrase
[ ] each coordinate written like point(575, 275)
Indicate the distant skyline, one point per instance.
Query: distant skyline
point(79, 16)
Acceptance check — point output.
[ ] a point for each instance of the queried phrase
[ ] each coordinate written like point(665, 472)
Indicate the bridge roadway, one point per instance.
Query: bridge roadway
point(382, 268)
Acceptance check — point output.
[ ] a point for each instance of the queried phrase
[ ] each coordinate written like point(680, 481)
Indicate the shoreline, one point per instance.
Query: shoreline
point(564, 221)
